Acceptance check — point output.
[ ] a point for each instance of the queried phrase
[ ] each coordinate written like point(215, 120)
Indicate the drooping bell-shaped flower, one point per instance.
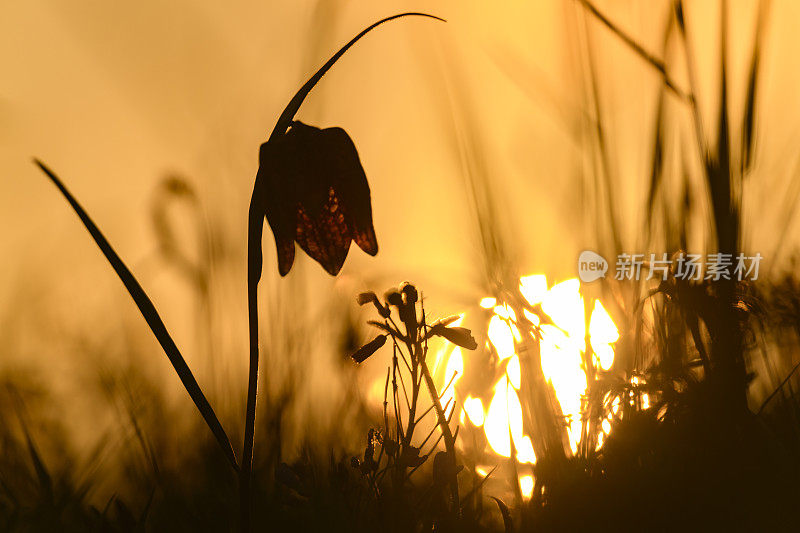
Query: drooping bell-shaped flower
point(311, 187)
point(317, 195)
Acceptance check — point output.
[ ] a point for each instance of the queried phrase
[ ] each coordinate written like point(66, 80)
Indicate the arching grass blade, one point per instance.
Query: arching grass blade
point(152, 318)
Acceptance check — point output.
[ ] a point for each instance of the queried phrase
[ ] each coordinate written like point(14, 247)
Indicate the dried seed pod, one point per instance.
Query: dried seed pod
point(368, 349)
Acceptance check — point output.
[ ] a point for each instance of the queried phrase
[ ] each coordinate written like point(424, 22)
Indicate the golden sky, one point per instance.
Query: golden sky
point(114, 95)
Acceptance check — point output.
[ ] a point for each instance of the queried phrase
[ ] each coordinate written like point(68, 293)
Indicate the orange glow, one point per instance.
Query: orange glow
point(488, 302)
point(526, 486)
point(645, 398)
point(514, 372)
point(474, 409)
point(503, 424)
point(533, 288)
point(562, 349)
point(453, 372)
point(497, 423)
point(502, 334)
point(562, 357)
point(603, 334)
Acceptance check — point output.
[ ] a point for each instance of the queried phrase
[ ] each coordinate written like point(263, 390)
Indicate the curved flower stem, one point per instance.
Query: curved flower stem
point(297, 100)
point(255, 230)
point(254, 267)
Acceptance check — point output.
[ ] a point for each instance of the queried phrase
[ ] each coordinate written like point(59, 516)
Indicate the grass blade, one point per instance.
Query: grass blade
point(721, 178)
point(603, 152)
point(748, 122)
point(655, 62)
point(42, 474)
point(659, 148)
point(690, 72)
point(152, 318)
point(508, 522)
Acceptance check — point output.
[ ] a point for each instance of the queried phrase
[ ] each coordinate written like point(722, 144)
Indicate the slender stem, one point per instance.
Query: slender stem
point(254, 265)
point(778, 388)
point(690, 72)
point(412, 408)
point(449, 441)
point(395, 397)
point(446, 406)
point(424, 414)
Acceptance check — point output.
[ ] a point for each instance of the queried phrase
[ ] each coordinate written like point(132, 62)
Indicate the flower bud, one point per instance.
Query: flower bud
point(457, 335)
point(394, 297)
point(370, 297)
point(367, 297)
point(410, 292)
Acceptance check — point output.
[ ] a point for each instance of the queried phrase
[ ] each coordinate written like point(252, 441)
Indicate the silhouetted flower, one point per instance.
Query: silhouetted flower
point(410, 293)
point(394, 297)
point(457, 335)
point(367, 297)
point(316, 194)
point(370, 297)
